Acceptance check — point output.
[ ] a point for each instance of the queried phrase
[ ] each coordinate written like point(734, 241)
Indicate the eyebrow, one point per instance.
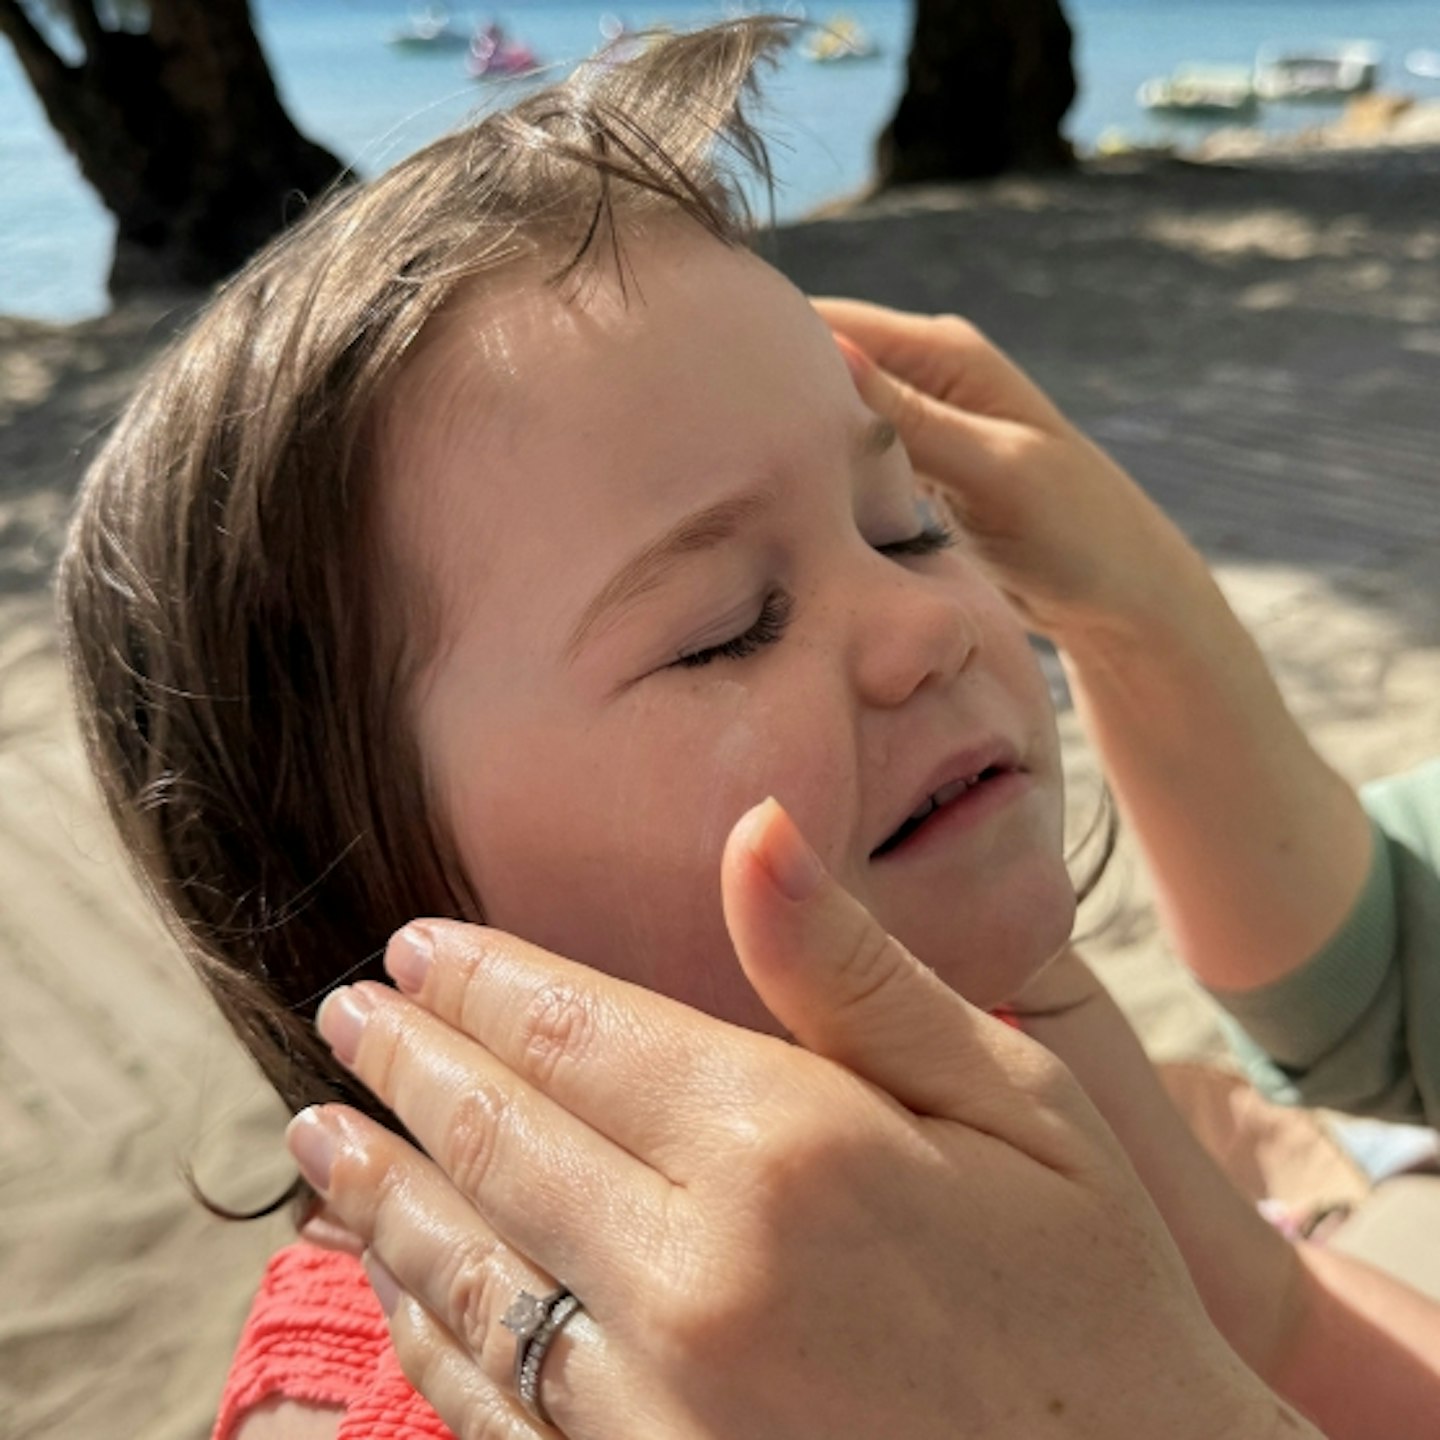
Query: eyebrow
point(701, 531)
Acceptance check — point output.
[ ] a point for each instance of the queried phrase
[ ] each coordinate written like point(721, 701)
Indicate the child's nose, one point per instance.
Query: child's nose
point(909, 631)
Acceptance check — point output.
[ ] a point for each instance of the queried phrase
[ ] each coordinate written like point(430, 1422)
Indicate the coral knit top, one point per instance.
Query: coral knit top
point(316, 1335)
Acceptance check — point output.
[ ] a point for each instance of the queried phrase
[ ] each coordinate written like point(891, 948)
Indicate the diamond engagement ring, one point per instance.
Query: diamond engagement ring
point(535, 1321)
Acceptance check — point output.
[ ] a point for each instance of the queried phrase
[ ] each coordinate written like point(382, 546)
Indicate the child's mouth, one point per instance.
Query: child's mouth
point(939, 802)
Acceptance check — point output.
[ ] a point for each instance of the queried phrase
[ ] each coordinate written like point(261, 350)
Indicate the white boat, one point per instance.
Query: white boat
point(1202, 92)
point(1424, 63)
point(430, 30)
point(1330, 72)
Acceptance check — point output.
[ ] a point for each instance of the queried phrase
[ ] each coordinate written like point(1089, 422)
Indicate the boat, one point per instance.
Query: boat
point(493, 55)
point(430, 30)
point(1328, 73)
point(1202, 92)
point(1424, 63)
point(838, 41)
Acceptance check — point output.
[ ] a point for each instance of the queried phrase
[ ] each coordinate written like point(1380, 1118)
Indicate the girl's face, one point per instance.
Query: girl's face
point(679, 567)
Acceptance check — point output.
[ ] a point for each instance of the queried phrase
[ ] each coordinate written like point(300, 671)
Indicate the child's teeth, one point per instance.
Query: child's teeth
point(943, 796)
point(946, 793)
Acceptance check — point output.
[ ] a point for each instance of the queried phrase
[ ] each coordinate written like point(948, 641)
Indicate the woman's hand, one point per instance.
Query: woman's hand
point(1257, 848)
point(911, 1222)
point(1066, 533)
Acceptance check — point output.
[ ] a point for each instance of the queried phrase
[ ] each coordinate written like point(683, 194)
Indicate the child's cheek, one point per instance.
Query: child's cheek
point(776, 740)
point(690, 761)
point(735, 765)
point(692, 758)
point(1013, 657)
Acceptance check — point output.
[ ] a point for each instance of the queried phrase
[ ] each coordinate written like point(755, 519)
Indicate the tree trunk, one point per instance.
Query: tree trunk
point(181, 133)
point(989, 82)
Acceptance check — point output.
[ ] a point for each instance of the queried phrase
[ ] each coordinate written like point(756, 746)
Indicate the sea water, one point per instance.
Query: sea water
point(372, 103)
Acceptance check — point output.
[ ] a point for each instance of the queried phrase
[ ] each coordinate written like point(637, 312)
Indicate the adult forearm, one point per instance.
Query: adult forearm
point(1352, 1348)
point(1257, 847)
point(1365, 1360)
point(1247, 1274)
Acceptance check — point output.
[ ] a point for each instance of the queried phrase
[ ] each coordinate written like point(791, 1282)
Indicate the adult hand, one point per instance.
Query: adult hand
point(1065, 531)
point(1257, 848)
point(911, 1222)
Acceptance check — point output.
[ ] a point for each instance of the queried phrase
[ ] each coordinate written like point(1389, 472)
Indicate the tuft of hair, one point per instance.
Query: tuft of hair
point(242, 701)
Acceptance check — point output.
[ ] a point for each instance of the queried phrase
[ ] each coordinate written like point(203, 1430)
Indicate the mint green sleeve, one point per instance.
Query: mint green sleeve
point(1357, 1027)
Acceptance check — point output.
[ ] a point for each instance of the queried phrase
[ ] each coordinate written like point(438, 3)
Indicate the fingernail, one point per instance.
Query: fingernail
point(383, 1283)
point(312, 1142)
point(327, 1235)
point(408, 958)
point(859, 362)
point(776, 842)
point(341, 1021)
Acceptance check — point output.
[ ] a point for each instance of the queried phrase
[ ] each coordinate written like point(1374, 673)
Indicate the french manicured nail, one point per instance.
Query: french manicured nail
point(341, 1021)
point(783, 851)
point(408, 958)
point(859, 362)
point(383, 1283)
point(312, 1142)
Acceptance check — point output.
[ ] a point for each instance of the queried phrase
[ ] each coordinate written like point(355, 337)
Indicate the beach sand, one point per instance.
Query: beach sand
point(1258, 340)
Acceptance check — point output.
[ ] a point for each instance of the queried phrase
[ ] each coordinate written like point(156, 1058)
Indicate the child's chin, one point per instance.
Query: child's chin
point(990, 958)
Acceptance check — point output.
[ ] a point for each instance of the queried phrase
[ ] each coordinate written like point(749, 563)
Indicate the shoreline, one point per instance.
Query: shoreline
point(1372, 125)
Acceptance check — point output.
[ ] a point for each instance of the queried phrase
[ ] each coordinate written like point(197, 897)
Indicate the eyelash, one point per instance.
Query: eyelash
point(932, 538)
point(769, 626)
point(775, 609)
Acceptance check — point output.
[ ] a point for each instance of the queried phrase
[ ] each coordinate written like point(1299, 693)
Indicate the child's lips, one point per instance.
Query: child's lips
point(969, 808)
point(956, 786)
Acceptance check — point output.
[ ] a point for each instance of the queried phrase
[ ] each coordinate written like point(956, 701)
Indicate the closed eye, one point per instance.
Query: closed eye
point(934, 537)
point(775, 610)
point(768, 627)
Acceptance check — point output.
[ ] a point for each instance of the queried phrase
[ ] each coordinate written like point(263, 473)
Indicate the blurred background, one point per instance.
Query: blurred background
point(369, 100)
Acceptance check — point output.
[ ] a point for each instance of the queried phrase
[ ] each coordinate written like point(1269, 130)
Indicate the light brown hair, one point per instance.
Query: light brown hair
point(241, 701)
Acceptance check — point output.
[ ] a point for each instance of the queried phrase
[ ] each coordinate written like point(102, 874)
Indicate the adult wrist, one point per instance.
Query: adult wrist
point(1253, 1411)
point(1174, 624)
point(1128, 568)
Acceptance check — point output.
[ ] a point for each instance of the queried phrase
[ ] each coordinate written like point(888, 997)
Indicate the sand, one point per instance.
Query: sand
point(1259, 340)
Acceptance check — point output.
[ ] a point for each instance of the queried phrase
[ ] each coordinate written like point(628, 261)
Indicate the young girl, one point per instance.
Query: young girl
point(493, 542)
point(413, 581)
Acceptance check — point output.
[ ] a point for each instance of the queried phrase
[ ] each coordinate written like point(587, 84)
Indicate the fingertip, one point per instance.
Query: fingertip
point(860, 365)
point(311, 1142)
point(772, 841)
point(740, 857)
point(341, 1019)
point(312, 1117)
point(409, 955)
point(327, 1234)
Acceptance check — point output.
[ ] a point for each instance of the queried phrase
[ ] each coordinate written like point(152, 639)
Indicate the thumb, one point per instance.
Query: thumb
point(847, 990)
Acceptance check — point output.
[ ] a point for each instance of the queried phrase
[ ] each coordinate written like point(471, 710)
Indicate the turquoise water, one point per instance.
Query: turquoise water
point(372, 105)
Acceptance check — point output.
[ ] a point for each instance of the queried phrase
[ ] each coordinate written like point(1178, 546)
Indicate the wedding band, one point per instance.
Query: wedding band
point(535, 1321)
